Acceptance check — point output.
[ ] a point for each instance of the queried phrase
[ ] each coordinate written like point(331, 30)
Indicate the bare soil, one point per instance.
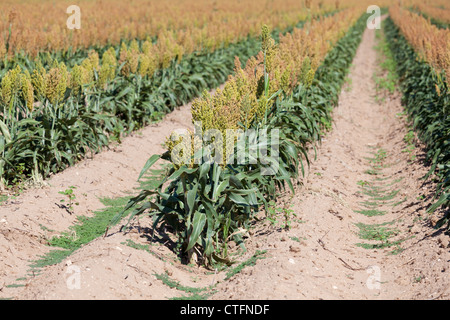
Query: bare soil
point(318, 257)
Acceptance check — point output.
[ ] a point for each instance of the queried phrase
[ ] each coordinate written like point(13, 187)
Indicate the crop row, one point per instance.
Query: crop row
point(426, 95)
point(33, 27)
point(285, 93)
point(431, 43)
point(440, 16)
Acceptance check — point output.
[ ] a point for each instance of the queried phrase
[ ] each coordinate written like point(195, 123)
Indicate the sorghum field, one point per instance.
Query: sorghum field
point(224, 150)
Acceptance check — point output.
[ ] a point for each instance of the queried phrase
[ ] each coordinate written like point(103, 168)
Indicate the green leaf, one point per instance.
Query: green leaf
point(198, 223)
point(191, 195)
point(148, 164)
point(5, 132)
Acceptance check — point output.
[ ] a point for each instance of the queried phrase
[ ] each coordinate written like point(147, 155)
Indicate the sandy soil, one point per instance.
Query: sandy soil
point(317, 258)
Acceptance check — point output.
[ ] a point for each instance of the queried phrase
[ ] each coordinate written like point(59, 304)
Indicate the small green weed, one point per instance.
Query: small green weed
point(250, 262)
point(70, 195)
point(273, 211)
point(194, 293)
point(371, 212)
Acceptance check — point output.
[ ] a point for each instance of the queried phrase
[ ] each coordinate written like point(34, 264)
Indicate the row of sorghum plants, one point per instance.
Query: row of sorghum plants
point(294, 60)
point(421, 52)
point(431, 43)
point(199, 23)
point(206, 203)
point(440, 14)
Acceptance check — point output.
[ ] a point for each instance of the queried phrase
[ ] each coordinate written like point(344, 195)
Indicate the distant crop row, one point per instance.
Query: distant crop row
point(439, 14)
point(431, 43)
point(422, 53)
point(33, 27)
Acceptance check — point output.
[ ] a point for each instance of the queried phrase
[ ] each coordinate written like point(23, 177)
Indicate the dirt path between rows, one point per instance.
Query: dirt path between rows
point(361, 181)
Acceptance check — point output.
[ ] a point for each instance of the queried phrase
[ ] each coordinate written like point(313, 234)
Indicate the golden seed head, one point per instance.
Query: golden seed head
point(27, 90)
point(147, 47)
point(144, 64)
point(94, 59)
point(38, 80)
point(123, 57)
point(265, 37)
point(107, 70)
point(438, 90)
point(56, 83)
point(75, 79)
point(134, 46)
point(6, 89)
point(87, 72)
point(133, 61)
